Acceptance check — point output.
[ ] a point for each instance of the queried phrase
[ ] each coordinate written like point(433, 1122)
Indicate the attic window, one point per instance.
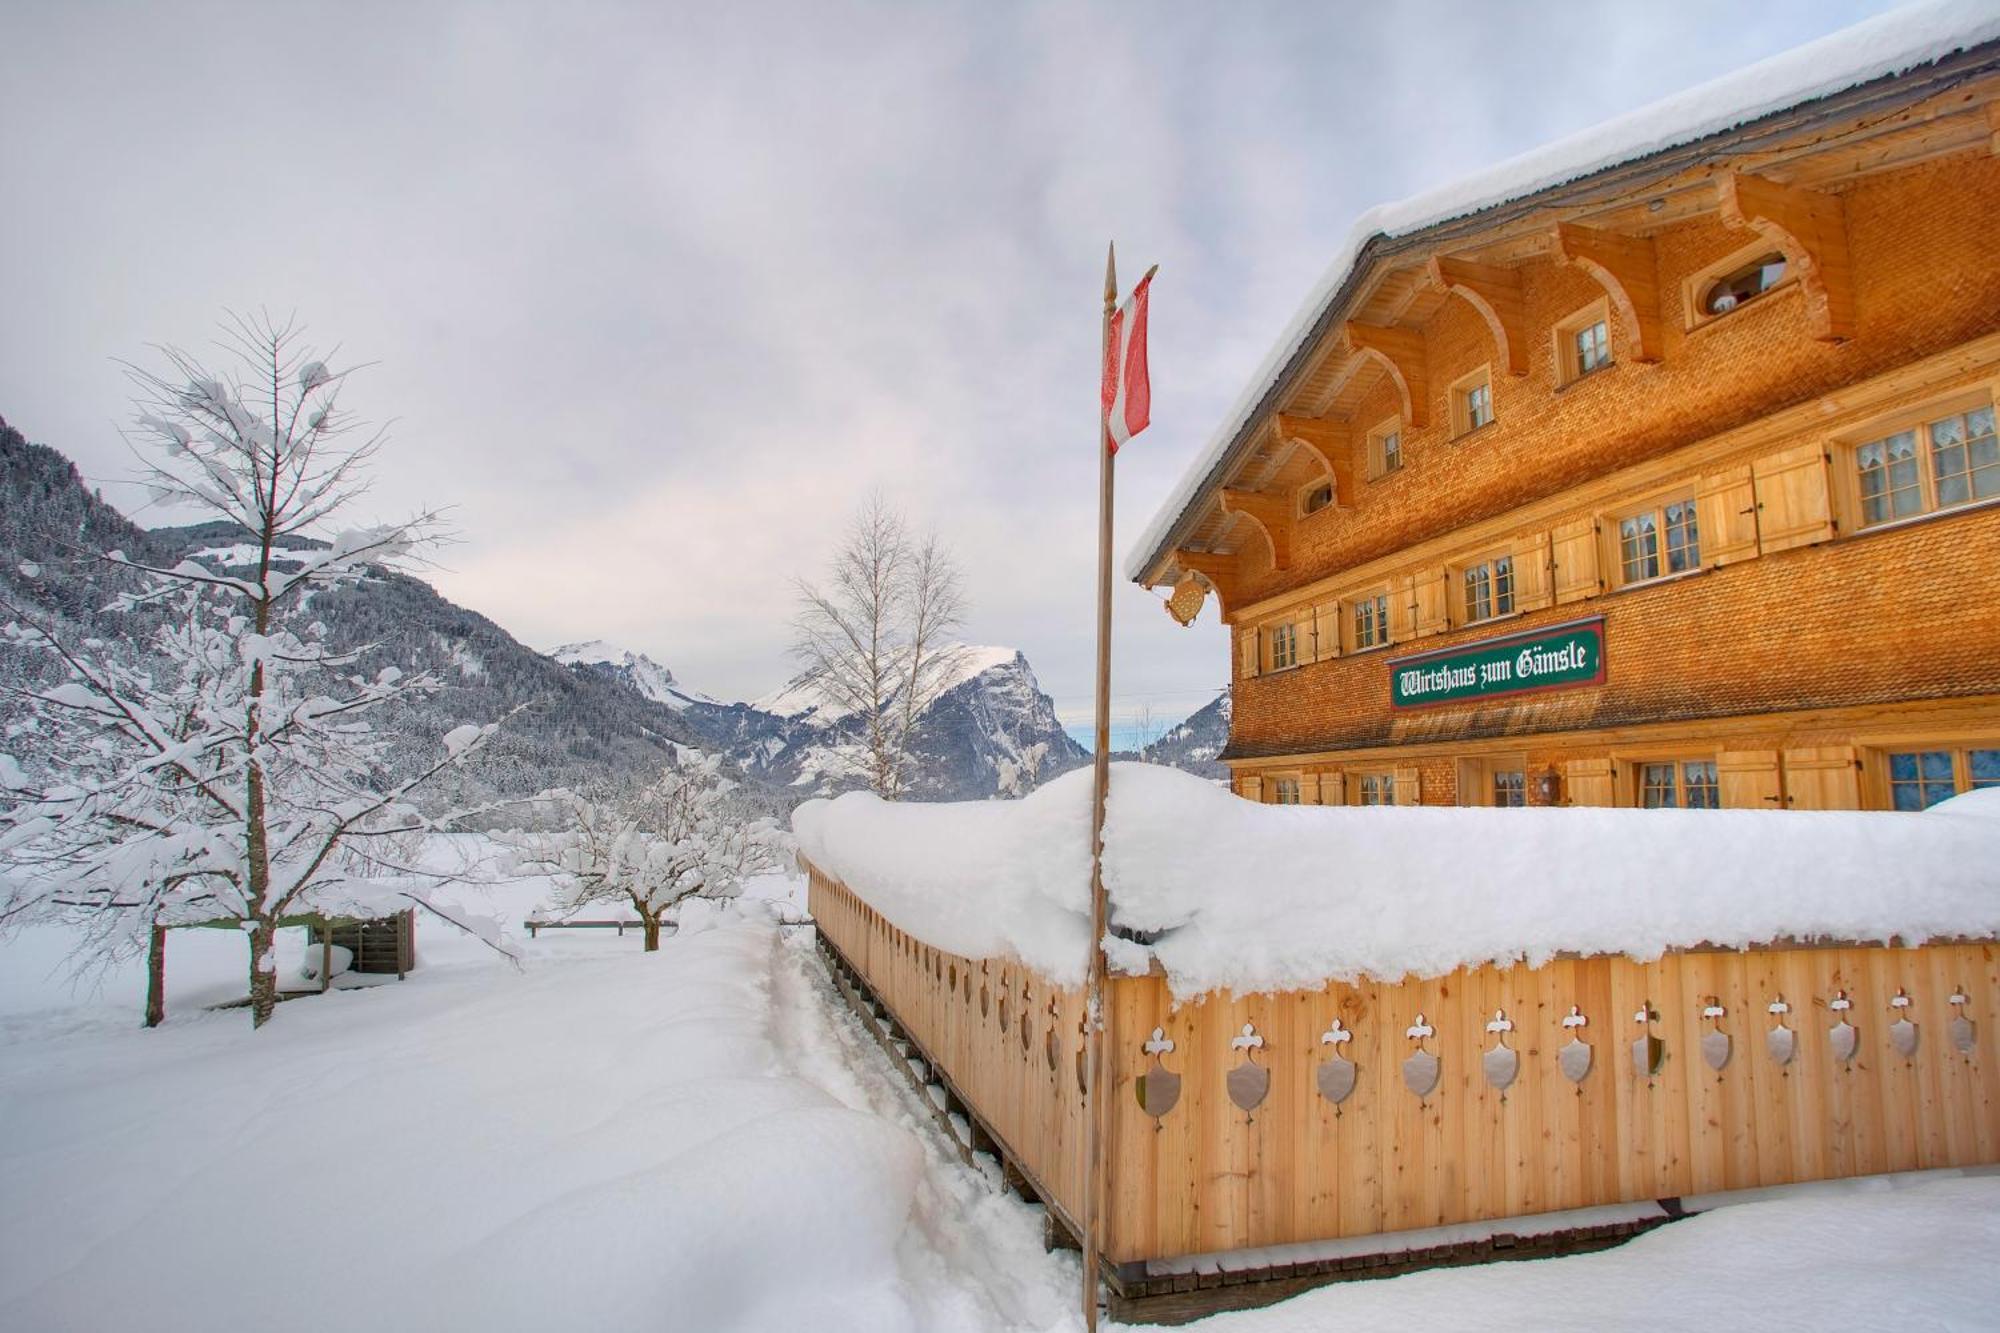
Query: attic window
point(1743, 283)
point(1316, 498)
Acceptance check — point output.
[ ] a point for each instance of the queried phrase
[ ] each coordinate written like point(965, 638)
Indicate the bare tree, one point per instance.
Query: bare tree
point(233, 777)
point(878, 640)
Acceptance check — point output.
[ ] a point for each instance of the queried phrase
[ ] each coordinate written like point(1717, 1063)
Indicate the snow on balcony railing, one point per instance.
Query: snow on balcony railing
point(1256, 898)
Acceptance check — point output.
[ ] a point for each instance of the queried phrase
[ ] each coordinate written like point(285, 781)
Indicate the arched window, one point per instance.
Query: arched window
point(1316, 498)
point(1732, 289)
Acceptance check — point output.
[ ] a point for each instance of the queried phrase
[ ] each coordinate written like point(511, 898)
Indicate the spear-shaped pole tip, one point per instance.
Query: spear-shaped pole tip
point(1111, 274)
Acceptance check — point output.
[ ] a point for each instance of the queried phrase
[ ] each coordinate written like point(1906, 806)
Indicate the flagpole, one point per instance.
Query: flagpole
point(1100, 787)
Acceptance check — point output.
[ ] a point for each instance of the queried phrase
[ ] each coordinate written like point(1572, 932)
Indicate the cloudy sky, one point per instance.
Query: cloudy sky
point(659, 292)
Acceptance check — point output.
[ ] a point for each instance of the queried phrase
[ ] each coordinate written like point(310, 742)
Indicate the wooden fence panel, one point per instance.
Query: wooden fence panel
point(1283, 1163)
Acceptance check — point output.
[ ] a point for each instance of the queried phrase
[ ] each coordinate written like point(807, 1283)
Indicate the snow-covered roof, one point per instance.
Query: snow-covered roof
point(1249, 897)
point(1892, 43)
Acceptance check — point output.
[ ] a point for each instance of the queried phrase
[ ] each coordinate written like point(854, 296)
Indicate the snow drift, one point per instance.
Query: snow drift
point(1253, 897)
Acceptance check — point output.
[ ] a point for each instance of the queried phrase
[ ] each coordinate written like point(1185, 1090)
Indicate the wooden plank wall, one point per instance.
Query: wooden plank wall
point(1208, 1177)
point(1006, 1039)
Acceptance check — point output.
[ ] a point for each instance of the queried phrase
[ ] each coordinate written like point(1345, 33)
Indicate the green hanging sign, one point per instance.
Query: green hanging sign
point(1553, 658)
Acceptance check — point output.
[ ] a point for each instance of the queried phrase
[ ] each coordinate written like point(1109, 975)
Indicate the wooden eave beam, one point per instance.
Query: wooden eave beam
point(1625, 267)
point(1401, 352)
point(1272, 514)
point(1218, 569)
point(1329, 441)
point(1495, 292)
point(1810, 227)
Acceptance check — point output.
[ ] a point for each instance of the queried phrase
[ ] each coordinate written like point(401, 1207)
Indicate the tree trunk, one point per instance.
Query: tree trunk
point(263, 973)
point(652, 934)
point(156, 977)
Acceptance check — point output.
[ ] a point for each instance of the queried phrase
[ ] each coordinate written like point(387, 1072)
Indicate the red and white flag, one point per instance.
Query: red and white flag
point(1128, 393)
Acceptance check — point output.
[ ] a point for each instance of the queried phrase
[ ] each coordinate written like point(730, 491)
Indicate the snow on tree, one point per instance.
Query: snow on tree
point(232, 776)
point(877, 639)
point(687, 835)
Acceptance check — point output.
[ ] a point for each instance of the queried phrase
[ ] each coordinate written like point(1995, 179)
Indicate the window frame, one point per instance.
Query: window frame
point(1280, 785)
point(1461, 402)
point(1290, 632)
point(1566, 331)
point(1376, 597)
point(1491, 560)
point(1478, 781)
point(1657, 507)
point(1383, 781)
point(1378, 465)
point(1962, 778)
point(1679, 764)
point(1852, 496)
point(1696, 284)
point(1306, 493)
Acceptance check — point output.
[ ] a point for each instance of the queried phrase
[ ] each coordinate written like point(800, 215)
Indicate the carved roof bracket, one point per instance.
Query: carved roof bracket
point(1273, 516)
point(1330, 442)
point(1811, 228)
point(1401, 352)
point(1495, 293)
point(1624, 267)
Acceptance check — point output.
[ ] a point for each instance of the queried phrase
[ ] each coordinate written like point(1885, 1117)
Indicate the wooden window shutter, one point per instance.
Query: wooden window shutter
point(1531, 572)
point(1251, 789)
point(1333, 789)
point(1326, 631)
point(1725, 511)
point(1409, 787)
point(1573, 559)
point(1249, 656)
point(1822, 777)
point(1308, 789)
point(1402, 609)
point(1588, 781)
point(1428, 595)
point(1748, 780)
point(1794, 504)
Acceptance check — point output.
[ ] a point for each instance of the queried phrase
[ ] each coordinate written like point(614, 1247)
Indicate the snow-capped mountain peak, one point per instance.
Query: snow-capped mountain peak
point(639, 671)
point(800, 695)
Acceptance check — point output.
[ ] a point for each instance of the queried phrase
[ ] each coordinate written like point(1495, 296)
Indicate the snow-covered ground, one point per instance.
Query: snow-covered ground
point(702, 1139)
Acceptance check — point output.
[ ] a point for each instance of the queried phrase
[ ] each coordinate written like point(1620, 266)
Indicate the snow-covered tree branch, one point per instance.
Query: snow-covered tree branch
point(684, 836)
point(231, 775)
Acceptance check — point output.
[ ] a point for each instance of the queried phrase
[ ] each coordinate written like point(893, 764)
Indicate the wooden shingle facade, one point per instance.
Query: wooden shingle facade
point(1676, 484)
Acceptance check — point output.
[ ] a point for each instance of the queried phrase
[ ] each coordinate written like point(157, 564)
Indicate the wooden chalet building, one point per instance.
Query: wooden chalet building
point(1671, 483)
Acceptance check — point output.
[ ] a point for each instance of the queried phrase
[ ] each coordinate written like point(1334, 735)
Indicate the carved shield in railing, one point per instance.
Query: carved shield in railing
point(1903, 1036)
point(1420, 1073)
point(1964, 1036)
point(1844, 1039)
point(1336, 1079)
point(1248, 1084)
point(1715, 1050)
point(1574, 1059)
point(1782, 1044)
point(1648, 1054)
point(1500, 1064)
point(1159, 1090)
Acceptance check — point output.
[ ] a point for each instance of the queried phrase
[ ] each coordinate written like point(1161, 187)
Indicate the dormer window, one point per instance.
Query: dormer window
point(1316, 498)
point(1583, 343)
point(1742, 283)
point(1472, 402)
point(1385, 448)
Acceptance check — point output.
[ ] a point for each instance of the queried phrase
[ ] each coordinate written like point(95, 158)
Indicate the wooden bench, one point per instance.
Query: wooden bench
point(535, 927)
